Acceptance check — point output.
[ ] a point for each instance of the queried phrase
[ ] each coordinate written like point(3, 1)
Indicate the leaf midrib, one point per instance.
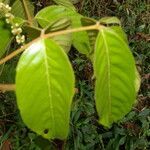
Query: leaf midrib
point(49, 87)
point(108, 71)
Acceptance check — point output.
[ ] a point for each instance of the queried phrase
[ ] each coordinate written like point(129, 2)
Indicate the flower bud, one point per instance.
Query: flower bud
point(8, 15)
point(7, 21)
point(16, 25)
point(1, 5)
point(8, 8)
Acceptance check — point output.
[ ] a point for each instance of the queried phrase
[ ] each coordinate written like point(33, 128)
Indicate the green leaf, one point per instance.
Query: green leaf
point(120, 32)
point(18, 9)
point(66, 3)
point(88, 21)
point(5, 37)
point(81, 39)
point(115, 24)
point(55, 18)
point(110, 20)
point(64, 40)
point(122, 35)
point(60, 24)
point(32, 32)
point(8, 72)
point(92, 34)
point(45, 88)
point(114, 68)
point(49, 15)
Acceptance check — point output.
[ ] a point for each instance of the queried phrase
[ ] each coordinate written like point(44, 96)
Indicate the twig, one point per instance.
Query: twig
point(16, 52)
point(7, 87)
point(45, 36)
point(93, 27)
point(11, 87)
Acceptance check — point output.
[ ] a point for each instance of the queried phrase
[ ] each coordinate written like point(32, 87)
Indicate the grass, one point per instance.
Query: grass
point(131, 133)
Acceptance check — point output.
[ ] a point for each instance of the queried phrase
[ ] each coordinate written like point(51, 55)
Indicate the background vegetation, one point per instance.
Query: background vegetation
point(132, 132)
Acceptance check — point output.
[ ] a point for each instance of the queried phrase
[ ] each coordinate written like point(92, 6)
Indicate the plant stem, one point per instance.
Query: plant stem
point(45, 36)
point(11, 87)
point(29, 18)
point(18, 51)
point(7, 87)
point(93, 27)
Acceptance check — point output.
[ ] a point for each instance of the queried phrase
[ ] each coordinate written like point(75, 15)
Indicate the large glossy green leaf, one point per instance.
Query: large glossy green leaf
point(45, 88)
point(5, 37)
point(114, 68)
point(51, 14)
point(115, 24)
point(122, 34)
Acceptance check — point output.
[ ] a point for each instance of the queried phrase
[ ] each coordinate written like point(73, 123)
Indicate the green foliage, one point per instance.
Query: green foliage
point(92, 34)
point(55, 18)
point(110, 20)
point(42, 69)
point(80, 39)
point(50, 15)
point(18, 8)
point(115, 87)
point(5, 37)
point(115, 24)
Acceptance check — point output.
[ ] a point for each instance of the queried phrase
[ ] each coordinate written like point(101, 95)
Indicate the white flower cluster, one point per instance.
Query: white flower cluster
point(15, 29)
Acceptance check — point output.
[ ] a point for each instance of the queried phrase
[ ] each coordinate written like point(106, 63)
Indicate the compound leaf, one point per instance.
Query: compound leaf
point(45, 88)
point(114, 68)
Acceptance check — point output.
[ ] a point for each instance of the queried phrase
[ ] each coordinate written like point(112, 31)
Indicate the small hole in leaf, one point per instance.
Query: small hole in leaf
point(46, 131)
